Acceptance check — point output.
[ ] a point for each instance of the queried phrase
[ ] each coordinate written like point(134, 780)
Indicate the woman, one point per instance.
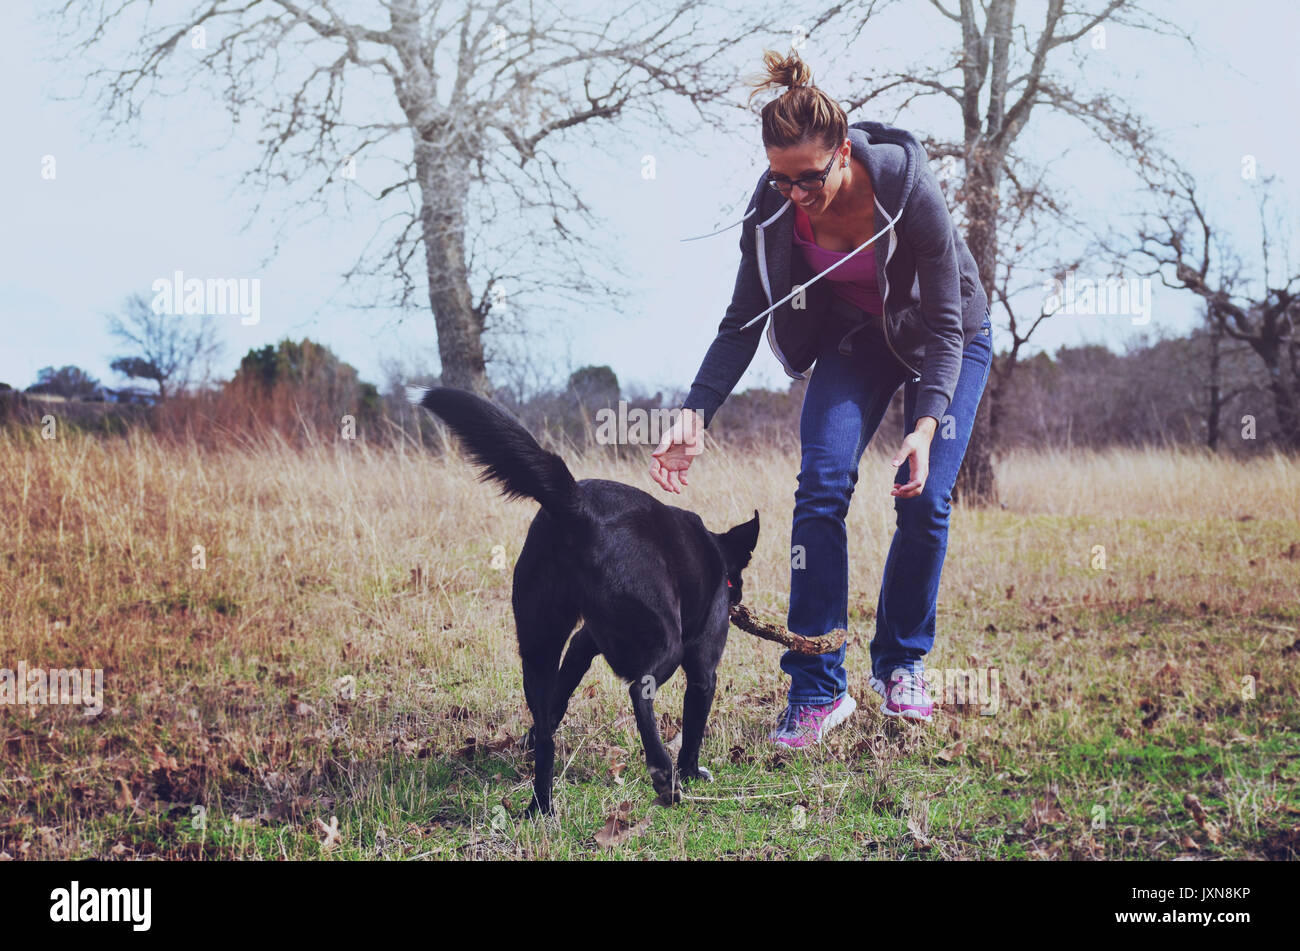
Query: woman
point(905, 310)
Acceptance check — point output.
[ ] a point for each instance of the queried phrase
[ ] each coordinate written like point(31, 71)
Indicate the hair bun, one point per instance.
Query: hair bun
point(789, 71)
point(801, 112)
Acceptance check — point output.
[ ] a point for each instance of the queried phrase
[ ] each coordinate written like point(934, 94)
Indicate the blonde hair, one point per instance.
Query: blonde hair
point(803, 113)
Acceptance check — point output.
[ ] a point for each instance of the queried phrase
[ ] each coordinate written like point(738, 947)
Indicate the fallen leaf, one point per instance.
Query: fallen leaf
point(952, 753)
point(739, 755)
point(503, 741)
point(1201, 817)
point(619, 827)
point(331, 833)
point(1045, 812)
point(124, 797)
point(162, 761)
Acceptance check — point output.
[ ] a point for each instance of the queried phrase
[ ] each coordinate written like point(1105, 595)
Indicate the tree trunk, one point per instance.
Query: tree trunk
point(1285, 406)
point(1216, 392)
point(976, 485)
point(442, 220)
point(1286, 396)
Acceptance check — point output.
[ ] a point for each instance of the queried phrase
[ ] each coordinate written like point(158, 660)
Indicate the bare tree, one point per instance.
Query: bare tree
point(165, 348)
point(1219, 393)
point(1002, 74)
point(461, 100)
point(1181, 246)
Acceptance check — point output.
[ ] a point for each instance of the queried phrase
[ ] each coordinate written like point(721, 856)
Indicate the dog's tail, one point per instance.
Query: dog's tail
point(508, 453)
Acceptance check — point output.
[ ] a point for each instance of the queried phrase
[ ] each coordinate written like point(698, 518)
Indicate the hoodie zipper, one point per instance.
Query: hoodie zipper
point(761, 247)
point(884, 319)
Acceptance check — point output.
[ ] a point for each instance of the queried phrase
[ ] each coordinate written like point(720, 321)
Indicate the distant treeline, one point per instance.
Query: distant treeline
point(1155, 394)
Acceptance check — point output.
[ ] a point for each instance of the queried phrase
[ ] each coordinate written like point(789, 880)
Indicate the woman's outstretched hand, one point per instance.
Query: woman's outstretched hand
point(916, 448)
point(681, 443)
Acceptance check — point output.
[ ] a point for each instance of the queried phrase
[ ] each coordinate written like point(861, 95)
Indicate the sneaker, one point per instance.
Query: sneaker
point(803, 724)
point(905, 695)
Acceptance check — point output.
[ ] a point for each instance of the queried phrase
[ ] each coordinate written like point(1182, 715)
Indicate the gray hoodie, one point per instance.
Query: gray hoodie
point(934, 303)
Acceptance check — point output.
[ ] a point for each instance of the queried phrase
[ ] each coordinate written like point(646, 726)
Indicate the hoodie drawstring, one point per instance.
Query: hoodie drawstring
point(811, 281)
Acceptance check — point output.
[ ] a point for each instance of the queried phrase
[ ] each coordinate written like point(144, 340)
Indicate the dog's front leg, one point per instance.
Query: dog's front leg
point(700, 664)
point(662, 772)
point(695, 714)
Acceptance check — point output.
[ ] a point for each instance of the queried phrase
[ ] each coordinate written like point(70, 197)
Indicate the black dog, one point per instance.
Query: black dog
point(652, 585)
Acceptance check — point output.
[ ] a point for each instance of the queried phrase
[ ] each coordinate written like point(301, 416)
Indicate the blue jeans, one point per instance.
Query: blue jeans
point(846, 399)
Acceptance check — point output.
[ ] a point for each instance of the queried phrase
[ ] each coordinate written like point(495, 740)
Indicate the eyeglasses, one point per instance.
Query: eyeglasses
point(814, 184)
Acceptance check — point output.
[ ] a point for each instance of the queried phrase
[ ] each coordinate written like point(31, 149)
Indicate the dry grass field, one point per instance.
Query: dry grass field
point(339, 677)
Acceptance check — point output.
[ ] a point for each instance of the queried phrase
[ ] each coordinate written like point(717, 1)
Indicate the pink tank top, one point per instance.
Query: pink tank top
point(855, 281)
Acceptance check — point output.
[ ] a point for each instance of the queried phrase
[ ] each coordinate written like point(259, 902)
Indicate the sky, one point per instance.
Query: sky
point(124, 210)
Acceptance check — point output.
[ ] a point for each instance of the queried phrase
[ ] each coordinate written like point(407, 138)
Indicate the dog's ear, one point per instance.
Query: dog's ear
point(739, 543)
point(749, 533)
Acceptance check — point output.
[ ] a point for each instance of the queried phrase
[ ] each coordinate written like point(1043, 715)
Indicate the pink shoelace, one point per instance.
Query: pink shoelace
point(912, 686)
point(810, 718)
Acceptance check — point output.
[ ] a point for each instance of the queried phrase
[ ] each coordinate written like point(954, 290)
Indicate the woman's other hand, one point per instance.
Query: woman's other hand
point(681, 443)
point(916, 448)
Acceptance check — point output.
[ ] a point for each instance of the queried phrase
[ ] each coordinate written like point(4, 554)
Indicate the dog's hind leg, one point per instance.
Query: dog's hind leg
point(544, 618)
point(540, 662)
point(577, 661)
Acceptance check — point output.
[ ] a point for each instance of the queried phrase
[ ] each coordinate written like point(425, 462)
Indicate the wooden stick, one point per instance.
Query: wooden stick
point(822, 644)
